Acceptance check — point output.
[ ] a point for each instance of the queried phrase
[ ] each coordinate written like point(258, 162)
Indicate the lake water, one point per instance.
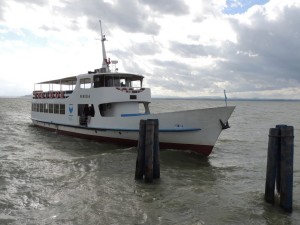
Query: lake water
point(46, 178)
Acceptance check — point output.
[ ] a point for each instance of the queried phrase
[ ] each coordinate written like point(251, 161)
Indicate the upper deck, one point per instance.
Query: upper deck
point(63, 88)
point(95, 82)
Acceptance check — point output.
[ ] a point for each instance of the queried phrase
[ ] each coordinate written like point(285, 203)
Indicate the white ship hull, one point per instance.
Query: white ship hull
point(194, 130)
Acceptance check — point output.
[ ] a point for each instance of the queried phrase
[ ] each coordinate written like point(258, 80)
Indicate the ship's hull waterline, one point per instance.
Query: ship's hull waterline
point(192, 130)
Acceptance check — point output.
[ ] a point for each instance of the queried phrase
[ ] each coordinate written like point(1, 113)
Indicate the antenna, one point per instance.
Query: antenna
point(105, 62)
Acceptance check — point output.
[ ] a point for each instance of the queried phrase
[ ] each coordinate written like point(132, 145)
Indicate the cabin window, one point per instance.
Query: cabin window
point(136, 83)
point(33, 107)
point(109, 82)
point(45, 107)
point(123, 83)
point(99, 81)
point(85, 83)
point(105, 109)
point(41, 107)
point(62, 109)
point(56, 108)
point(117, 80)
point(102, 109)
point(50, 108)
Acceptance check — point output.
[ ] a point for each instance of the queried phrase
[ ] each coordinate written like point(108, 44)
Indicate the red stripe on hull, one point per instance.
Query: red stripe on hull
point(202, 149)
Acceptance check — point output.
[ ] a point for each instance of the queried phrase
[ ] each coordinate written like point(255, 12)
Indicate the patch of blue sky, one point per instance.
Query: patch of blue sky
point(241, 6)
point(22, 35)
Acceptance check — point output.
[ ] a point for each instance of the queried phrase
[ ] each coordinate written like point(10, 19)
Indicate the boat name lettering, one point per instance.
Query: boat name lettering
point(84, 96)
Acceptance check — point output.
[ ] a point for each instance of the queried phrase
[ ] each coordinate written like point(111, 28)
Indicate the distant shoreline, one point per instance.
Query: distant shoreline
point(228, 99)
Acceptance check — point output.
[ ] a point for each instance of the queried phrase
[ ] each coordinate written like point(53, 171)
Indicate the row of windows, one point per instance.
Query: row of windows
point(48, 108)
point(110, 81)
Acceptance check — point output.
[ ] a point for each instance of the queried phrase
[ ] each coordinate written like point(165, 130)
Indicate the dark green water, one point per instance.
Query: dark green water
point(47, 178)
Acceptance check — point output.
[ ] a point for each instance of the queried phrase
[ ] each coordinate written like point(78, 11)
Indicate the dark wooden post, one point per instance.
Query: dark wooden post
point(149, 141)
point(156, 151)
point(140, 160)
point(147, 162)
point(279, 126)
point(286, 170)
point(272, 163)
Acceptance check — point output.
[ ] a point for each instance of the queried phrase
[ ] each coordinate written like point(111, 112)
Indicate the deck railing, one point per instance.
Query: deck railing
point(51, 94)
point(130, 89)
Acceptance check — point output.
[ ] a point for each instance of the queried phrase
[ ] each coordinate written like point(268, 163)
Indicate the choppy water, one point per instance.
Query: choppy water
point(47, 178)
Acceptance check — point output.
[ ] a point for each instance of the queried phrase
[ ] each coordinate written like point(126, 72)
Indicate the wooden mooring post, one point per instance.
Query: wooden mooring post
point(147, 162)
point(280, 166)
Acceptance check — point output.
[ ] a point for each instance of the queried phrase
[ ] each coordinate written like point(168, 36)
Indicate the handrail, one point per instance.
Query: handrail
point(130, 89)
point(50, 94)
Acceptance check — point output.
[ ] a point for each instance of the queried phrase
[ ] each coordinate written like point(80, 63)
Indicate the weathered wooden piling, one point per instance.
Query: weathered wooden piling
point(279, 126)
point(156, 152)
point(149, 143)
point(140, 160)
point(280, 166)
point(272, 164)
point(286, 168)
point(147, 163)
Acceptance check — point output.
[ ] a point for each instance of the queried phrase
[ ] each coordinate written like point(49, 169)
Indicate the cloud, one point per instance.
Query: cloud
point(177, 7)
point(127, 15)
point(34, 2)
point(266, 51)
point(193, 50)
point(2, 9)
point(187, 48)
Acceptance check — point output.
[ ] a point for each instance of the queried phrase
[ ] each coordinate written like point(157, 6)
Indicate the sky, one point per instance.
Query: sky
point(184, 48)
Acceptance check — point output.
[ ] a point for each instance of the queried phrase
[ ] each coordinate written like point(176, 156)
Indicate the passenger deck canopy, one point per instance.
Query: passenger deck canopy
point(99, 80)
point(63, 81)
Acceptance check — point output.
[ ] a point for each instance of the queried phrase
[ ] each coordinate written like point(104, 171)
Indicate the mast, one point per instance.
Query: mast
point(105, 62)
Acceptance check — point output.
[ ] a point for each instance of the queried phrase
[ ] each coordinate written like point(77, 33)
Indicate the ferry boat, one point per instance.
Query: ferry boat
point(107, 105)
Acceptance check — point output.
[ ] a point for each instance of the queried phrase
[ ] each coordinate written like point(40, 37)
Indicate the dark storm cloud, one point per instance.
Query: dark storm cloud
point(128, 15)
point(267, 52)
point(175, 7)
point(265, 57)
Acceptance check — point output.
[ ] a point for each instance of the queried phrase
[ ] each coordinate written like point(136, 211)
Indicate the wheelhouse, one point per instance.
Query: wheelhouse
point(117, 80)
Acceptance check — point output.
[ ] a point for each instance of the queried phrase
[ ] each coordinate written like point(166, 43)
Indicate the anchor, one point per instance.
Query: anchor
point(224, 126)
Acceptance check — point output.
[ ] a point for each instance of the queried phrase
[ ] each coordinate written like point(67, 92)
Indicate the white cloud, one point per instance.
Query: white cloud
point(187, 48)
